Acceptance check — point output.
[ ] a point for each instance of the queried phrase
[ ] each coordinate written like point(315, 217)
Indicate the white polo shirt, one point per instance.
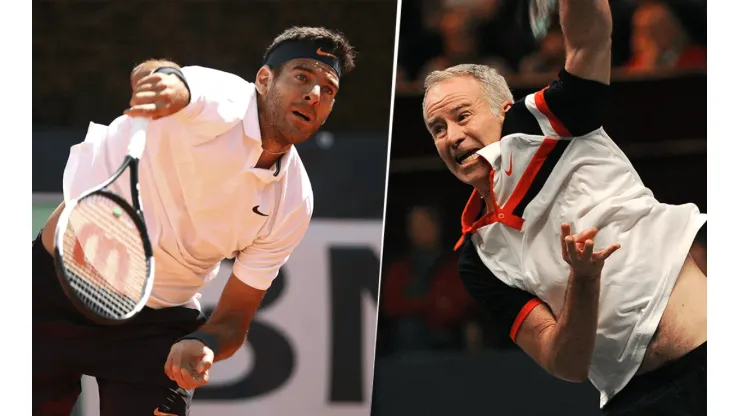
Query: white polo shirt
point(203, 199)
point(541, 181)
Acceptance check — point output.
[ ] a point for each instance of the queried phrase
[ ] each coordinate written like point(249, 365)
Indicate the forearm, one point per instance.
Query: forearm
point(147, 67)
point(230, 333)
point(585, 23)
point(571, 339)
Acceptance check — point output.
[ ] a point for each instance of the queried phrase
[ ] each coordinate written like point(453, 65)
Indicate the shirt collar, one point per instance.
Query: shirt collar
point(252, 131)
point(491, 153)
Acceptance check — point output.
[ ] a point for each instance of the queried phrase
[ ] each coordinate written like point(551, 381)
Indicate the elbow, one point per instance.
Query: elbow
point(569, 370)
point(573, 375)
point(568, 367)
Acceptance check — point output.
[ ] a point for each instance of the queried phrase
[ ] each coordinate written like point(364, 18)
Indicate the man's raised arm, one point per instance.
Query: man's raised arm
point(587, 29)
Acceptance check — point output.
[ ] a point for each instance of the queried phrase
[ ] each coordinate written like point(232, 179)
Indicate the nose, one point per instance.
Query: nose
point(313, 95)
point(455, 135)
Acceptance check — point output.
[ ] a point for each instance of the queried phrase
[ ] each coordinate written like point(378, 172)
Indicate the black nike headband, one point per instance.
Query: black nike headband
point(321, 50)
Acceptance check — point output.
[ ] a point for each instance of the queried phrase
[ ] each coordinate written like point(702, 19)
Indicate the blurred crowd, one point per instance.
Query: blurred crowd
point(648, 36)
point(424, 305)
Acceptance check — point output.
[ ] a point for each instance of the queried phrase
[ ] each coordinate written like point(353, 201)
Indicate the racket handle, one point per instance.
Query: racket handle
point(138, 137)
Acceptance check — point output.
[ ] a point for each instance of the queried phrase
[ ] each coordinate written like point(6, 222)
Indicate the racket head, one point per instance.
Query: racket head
point(539, 16)
point(103, 257)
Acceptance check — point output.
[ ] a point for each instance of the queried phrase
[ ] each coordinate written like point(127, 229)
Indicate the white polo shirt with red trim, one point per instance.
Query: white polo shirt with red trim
point(203, 199)
point(542, 180)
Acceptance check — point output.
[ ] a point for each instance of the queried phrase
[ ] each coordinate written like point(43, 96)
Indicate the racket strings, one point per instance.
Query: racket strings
point(109, 268)
point(104, 257)
point(115, 267)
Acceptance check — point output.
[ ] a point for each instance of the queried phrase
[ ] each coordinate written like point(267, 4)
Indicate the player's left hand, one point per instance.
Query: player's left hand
point(157, 95)
point(578, 252)
point(188, 364)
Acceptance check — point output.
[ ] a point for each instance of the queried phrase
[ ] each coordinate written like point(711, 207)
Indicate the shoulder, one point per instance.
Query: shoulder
point(501, 302)
point(203, 72)
point(297, 184)
point(520, 120)
point(473, 272)
point(202, 78)
point(570, 106)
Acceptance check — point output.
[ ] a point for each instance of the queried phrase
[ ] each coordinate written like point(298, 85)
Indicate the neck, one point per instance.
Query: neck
point(485, 193)
point(273, 148)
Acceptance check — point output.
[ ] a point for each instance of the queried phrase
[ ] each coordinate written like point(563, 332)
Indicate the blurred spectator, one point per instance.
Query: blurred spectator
point(458, 45)
point(661, 41)
point(549, 57)
point(503, 42)
point(648, 35)
point(422, 293)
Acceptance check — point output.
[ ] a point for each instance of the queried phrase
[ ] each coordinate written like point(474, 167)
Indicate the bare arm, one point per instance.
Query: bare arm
point(234, 312)
point(587, 28)
point(564, 345)
point(209, 101)
point(145, 68)
point(191, 358)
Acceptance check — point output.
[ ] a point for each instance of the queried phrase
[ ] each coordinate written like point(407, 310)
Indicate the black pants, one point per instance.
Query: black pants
point(677, 388)
point(126, 360)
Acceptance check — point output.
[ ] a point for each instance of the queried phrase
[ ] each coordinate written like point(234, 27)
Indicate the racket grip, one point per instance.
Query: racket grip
point(138, 137)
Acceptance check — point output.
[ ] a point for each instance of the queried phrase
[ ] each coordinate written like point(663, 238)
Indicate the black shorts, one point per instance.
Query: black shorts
point(677, 388)
point(126, 360)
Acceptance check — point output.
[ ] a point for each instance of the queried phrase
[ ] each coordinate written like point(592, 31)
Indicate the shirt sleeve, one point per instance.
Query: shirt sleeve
point(507, 306)
point(258, 264)
point(570, 106)
point(218, 100)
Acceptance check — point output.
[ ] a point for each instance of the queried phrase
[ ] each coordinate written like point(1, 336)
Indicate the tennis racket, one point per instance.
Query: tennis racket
point(538, 16)
point(104, 257)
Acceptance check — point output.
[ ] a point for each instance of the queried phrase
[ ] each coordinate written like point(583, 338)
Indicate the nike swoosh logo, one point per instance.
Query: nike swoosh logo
point(511, 165)
point(158, 413)
point(256, 211)
point(322, 53)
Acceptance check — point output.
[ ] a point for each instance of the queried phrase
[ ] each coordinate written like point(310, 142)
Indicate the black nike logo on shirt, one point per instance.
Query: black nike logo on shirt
point(256, 211)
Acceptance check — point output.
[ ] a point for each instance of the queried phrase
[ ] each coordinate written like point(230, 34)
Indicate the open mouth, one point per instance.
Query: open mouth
point(467, 156)
point(301, 116)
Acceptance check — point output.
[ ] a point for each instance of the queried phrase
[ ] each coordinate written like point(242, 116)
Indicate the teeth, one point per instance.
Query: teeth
point(468, 156)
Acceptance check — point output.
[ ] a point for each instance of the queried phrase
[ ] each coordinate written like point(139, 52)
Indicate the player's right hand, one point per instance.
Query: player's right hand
point(157, 95)
point(578, 252)
point(188, 364)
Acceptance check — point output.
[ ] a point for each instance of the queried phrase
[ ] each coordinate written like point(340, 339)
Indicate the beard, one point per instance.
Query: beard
point(276, 122)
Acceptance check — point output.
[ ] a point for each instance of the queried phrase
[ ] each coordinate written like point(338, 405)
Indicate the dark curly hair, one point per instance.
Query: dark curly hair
point(343, 49)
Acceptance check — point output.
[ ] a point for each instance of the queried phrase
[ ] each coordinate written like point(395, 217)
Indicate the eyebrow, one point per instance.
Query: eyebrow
point(454, 109)
point(304, 67)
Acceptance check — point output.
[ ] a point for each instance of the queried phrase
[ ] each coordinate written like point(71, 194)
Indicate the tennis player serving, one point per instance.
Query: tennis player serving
point(219, 178)
point(562, 243)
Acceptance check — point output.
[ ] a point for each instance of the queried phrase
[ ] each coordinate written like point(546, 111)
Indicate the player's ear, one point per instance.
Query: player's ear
point(263, 80)
point(505, 107)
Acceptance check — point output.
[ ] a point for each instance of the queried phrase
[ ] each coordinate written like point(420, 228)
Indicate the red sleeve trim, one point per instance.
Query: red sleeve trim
point(526, 310)
point(557, 125)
